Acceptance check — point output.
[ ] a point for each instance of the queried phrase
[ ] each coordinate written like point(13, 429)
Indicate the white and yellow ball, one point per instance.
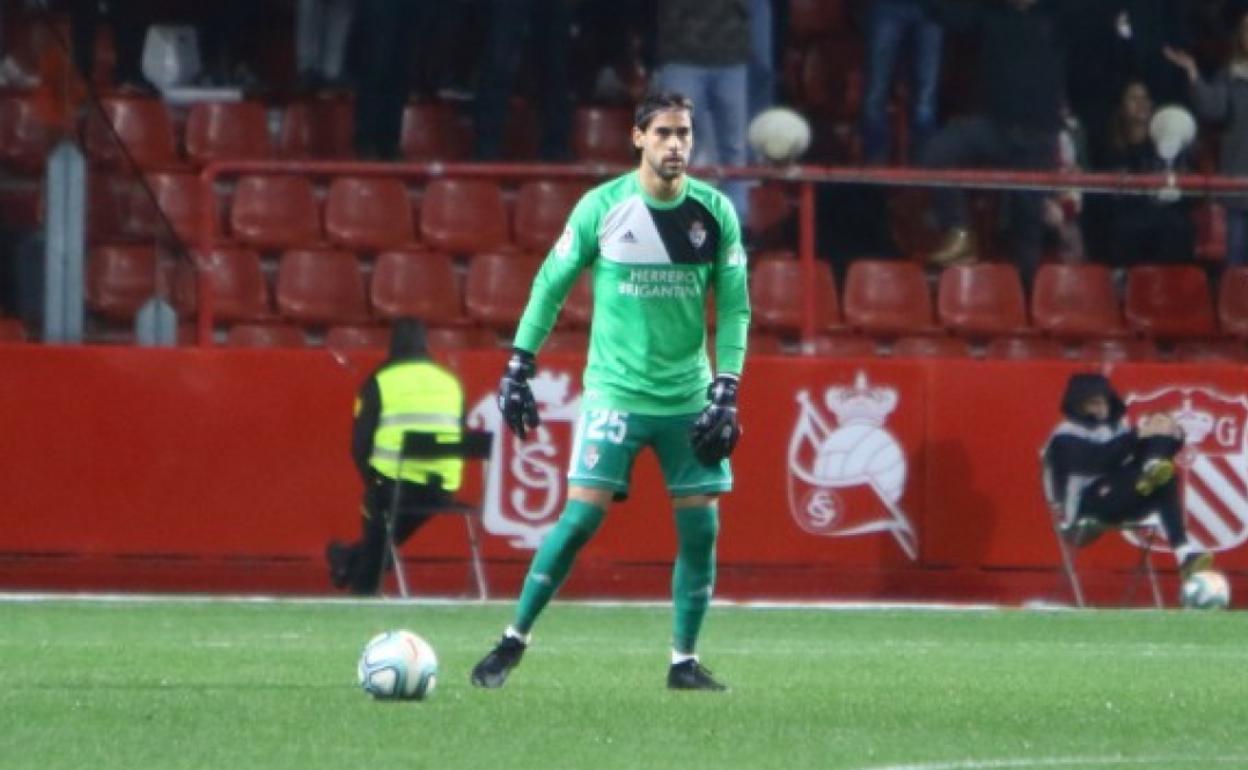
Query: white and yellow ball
point(779, 135)
point(398, 665)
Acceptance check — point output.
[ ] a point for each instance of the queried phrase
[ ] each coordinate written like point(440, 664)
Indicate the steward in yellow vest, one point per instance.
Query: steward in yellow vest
point(408, 392)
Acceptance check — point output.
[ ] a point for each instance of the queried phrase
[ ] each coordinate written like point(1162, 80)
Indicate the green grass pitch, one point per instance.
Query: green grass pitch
point(198, 684)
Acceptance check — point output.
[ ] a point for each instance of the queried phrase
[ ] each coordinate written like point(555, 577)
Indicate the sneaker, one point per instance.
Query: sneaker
point(338, 557)
point(957, 247)
point(493, 669)
point(1195, 562)
point(1081, 532)
point(1156, 474)
point(692, 675)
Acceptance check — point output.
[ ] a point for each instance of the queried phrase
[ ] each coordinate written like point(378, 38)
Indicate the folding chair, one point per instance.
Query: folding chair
point(473, 445)
point(1145, 531)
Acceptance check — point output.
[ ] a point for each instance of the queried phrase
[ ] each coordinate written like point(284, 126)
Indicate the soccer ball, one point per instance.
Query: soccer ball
point(779, 135)
point(1206, 590)
point(398, 665)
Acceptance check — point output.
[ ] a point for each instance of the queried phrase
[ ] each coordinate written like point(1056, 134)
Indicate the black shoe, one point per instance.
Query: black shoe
point(338, 556)
point(493, 669)
point(692, 675)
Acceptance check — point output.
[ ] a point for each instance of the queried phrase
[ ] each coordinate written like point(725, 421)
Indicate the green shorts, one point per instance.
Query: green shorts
point(607, 441)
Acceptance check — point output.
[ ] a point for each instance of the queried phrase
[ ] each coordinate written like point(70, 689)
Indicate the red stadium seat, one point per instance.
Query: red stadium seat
point(459, 338)
point(12, 330)
point(143, 126)
point(809, 19)
point(317, 128)
point(542, 209)
point(1209, 217)
point(250, 335)
point(463, 216)
point(498, 288)
point(887, 297)
point(578, 308)
point(776, 296)
point(1114, 350)
point(844, 346)
point(273, 212)
point(25, 139)
point(983, 299)
point(1076, 301)
point(121, 277)
point(931, 346)
point(773, 217)
point(1024, 349)
point(176, 195)
point(1212, 351)
point(1233, 301)
point(357, 338)
point(601, 134)
point(239, 291)
point(368, 214)
point(1169, 301)
point(236, 130)
point(431, 131)
point(421, 284)
point(321, 287)
point(108, 205)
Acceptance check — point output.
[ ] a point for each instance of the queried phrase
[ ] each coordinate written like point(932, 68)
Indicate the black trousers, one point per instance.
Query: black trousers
point(365, 556)
point(1112, 499)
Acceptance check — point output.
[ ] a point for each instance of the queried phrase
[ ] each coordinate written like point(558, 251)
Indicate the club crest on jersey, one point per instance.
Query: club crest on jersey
point(847, 476)
point(697, 233)
point(1213, 462)
point(525, 488)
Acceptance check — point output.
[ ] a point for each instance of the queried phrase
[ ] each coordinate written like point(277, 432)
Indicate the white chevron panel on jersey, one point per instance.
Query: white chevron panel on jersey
point(629, 236)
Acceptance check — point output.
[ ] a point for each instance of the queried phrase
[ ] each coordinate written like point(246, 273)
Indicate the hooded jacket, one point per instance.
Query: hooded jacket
point(1082, 448)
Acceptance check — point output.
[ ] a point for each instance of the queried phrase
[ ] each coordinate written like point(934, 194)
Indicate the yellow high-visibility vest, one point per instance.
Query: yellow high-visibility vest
point(423, 397)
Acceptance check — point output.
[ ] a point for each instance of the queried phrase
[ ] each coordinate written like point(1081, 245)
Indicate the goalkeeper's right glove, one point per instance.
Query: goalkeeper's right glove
point(515, 397)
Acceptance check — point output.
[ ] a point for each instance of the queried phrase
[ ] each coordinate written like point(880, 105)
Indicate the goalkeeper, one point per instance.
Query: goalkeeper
point(656, 242)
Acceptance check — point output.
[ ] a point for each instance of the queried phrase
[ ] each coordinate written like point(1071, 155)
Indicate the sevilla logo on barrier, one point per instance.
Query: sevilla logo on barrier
point(525, 488)
point(847, 477)
point(1213, 462)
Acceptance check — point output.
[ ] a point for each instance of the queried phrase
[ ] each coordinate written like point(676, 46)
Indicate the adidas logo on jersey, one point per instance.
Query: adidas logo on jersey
point(628, 237)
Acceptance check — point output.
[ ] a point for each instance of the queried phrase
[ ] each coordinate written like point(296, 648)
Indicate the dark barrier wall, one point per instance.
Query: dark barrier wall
point(187, 469)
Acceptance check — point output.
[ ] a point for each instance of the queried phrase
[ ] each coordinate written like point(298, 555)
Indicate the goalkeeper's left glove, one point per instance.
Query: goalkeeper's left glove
point(715, 433)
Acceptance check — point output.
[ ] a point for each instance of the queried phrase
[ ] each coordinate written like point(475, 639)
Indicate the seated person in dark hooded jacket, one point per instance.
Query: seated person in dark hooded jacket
point(1100, 472)
point(408, 392)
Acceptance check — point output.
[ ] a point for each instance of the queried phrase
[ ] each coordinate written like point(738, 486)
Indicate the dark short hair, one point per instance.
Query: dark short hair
point(407, 339)
point(659, 101)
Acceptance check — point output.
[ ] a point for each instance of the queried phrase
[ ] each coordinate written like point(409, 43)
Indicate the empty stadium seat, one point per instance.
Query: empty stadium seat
point(368, 214)
point(887, 297)
point(1233, 301)
point(12, 330)
point(143, 126)
point(1115, 349)
point(176, 196)
point(776, 295)
point(108, 204)
point(357, 338)
point(431, 131)
point(601, 134)
point(239, 291)
point(458, 338)
point(498, 288)
point(930, 346)
point(844, 346)
point(24, 138)
point(1169, 301)
point(253, 335)
point(317, 128)
point(542, 209)
point(463, 216)
point(275, 212)
point(421, 284)
point(122, 277)
point(983, 299)
point(773, 217)
point(322, 287)
point(1211, 351)
point(218, 130)
point(1024, 348)
point(1076, 301)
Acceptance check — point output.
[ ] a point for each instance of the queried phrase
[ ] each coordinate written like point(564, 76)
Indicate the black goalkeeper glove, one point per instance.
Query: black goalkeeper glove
point(515, 397)
point(715, 433)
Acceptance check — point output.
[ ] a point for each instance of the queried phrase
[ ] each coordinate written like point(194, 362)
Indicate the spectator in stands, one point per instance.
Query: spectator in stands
point(1225, 99)
point(384, 30)
point(322, 29)
point(1062, 209)
point(1132, 229)
point(762, 72)
point(547, 25)
point(703, 51)
point(408, 392)
point(1100, 471)
point(889, 24)
point(1021, 67)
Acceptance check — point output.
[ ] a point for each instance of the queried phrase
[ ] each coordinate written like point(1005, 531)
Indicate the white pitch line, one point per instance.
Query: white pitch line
point(1041, 762)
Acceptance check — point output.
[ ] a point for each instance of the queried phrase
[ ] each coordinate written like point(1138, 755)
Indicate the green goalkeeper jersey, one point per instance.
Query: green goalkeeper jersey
point(653, 263)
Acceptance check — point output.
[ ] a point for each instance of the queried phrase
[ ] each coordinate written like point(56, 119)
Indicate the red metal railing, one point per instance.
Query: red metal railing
point(806, 177)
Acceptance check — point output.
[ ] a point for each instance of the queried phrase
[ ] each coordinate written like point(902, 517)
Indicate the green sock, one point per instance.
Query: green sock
point(554, 558)
point(693, 578)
